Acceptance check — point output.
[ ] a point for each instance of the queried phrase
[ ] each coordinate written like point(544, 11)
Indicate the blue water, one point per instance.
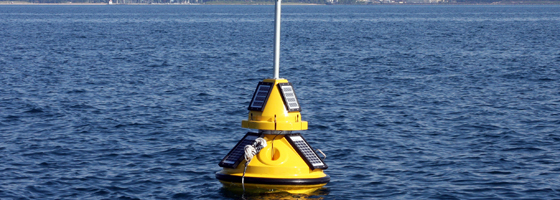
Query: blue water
point(408, 102)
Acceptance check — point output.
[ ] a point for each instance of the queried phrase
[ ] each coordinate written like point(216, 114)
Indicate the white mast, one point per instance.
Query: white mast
point(278, 6)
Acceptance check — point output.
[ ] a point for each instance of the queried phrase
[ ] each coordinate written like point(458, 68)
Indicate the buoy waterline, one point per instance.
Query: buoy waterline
point(274, 158)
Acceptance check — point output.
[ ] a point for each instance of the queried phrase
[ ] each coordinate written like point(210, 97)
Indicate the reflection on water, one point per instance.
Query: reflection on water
point(234, 193)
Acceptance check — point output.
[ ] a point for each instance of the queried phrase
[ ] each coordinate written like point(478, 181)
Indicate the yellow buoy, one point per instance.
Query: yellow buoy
point(274, 159)
point(287, 162)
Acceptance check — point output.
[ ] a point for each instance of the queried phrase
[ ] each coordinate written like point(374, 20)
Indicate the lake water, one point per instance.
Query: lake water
point(408, 102)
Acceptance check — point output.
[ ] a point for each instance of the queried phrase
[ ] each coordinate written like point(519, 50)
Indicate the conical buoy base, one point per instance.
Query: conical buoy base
point(278, 167)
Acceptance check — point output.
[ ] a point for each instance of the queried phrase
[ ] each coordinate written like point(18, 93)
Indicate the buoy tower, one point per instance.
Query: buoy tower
point(275, 158)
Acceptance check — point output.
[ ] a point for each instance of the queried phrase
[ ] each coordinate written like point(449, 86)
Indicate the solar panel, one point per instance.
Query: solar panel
point(289, 96)
point(235, 156)
point(306, 152)
point(260, 96)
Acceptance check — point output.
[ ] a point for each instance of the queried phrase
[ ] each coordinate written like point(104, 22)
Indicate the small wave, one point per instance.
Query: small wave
point(523, 149)
point(373, 59)
point(499, 172)
point(76, 91)
point(34, 110)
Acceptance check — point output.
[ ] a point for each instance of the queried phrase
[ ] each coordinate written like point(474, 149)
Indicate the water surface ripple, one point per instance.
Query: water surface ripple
point(408, 102)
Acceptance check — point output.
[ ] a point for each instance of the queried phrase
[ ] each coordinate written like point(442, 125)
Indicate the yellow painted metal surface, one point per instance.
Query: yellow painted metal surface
point(277, 160)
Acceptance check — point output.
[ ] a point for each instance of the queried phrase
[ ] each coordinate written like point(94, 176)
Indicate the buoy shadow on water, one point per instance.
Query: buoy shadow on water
point(260, 191)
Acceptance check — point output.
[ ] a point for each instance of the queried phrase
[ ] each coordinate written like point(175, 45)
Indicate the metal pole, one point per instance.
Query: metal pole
point(278, 7)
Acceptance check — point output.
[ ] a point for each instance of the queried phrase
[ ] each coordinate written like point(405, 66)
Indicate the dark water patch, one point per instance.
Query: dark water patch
point(34, 110)
point(182, 196)
point(528, 149)
point(77, 91)
point(499, 172)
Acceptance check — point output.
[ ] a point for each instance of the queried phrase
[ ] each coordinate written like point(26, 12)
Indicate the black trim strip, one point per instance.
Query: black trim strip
point(274, 181)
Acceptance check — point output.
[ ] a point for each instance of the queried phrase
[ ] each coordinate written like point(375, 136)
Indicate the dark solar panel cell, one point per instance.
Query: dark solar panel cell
point(289, 96)
point(260, 96)
point(306, 152)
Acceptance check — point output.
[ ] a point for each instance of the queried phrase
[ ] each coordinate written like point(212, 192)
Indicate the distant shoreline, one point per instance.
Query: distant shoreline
point(170, 4)
point(178, 4)
point(288, 4)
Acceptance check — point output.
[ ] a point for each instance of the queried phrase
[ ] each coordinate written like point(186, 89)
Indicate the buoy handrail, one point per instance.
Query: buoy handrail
point(324, 155)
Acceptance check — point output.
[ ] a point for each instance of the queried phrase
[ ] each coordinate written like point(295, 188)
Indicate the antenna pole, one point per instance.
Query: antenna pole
point(278, 7)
